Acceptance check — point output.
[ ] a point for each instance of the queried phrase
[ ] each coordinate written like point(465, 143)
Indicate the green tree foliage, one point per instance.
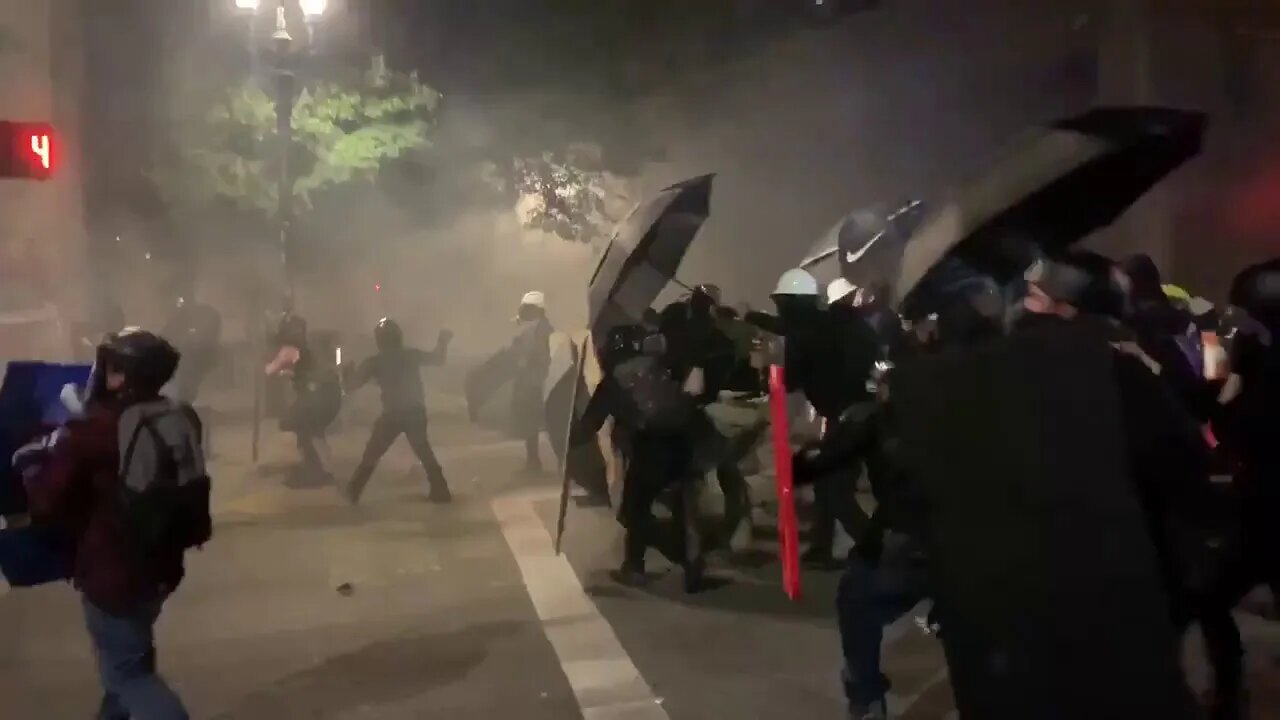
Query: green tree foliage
point(566, 192)
point(342, 133)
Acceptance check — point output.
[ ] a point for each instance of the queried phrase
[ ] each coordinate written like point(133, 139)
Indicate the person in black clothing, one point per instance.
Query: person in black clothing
point(699, 354)
point(655, 416)
point(828, 358)
point(196, 330)
point(532, 350)
point(1166, 334)
point(1169, 459)
point(317, 393)
point(397, 371)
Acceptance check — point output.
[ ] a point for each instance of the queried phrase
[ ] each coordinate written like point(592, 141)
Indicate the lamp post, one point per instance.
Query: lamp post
point(285, 57)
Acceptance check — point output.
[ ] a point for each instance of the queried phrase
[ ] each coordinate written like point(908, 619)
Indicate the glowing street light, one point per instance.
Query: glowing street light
point(313, 9)
point(248, 5)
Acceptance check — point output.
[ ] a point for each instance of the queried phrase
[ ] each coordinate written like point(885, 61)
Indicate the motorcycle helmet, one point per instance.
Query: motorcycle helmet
point(147, 360)
point(388, 336)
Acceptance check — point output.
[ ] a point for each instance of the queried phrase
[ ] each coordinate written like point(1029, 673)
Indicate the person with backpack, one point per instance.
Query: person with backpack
point(125, 481)
point(398, 372)
point(657, 419)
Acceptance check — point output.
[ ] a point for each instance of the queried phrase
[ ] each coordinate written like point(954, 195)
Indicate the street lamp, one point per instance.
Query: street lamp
point(312, 9)
point(284, 59)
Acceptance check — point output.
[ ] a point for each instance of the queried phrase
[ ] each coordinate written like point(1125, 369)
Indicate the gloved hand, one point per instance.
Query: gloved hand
point(34, 453)
point(803, 463)
point(71, 400)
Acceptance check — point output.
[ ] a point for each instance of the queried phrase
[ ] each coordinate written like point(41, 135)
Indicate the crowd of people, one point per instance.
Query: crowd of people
point(1197, 387)
point(1197, 390)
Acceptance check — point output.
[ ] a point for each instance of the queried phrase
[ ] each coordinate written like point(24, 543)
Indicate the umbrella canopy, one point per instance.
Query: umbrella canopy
point(645, 254)
point(858, 230)
point(1055, 186)
point(865, 247)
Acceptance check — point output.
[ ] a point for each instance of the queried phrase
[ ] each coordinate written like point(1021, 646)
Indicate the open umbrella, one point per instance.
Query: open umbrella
point(645, 254)
point(639, 262)
point(1055, 186)
point(865, 247)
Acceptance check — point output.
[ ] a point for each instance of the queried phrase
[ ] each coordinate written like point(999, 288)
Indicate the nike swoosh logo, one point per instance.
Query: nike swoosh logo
point(853, 257)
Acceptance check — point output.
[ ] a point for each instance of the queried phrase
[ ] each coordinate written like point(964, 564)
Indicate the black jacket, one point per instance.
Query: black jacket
point(828, 357)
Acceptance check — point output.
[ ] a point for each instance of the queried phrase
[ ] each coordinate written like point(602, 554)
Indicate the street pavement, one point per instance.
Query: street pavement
point(303, 607)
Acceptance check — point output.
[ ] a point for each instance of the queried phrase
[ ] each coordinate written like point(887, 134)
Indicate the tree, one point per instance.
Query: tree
point(342, 133)
point(567, 193)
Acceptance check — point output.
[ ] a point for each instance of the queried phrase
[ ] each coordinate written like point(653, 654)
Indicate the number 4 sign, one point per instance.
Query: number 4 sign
point(30, 150)
point(40, 145)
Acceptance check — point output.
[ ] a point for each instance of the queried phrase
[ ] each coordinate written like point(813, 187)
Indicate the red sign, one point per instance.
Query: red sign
point(31, 150)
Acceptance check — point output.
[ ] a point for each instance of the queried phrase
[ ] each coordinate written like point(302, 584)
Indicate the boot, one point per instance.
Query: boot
point(440, 493)
point(695, 576)
point(630, 574)
point(877, 710)
point(352, 491)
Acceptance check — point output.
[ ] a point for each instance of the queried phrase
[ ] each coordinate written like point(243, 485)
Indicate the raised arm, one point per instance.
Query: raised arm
point(440, 354)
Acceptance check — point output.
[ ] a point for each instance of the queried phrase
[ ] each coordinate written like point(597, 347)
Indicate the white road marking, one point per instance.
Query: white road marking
point(604, 680)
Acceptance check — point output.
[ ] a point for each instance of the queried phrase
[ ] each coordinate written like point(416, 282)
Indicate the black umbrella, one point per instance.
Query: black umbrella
point(645, 254)
point(865, 247)
point(639, 262)
point(1054, 187)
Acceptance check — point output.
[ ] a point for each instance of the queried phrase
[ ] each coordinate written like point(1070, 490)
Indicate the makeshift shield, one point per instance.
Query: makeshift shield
point(30, 401)
point(788, 529)
point(1046, 578)
point(567, 399)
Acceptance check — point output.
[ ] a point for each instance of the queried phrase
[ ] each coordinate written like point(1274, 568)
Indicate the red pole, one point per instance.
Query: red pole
point(788, 530)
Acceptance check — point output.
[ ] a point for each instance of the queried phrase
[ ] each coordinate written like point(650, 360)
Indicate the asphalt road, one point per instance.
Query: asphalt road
point(305, 608)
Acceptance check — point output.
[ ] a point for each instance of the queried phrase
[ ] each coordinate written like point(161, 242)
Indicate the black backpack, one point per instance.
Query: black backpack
point(165, 488)
point(654, 401)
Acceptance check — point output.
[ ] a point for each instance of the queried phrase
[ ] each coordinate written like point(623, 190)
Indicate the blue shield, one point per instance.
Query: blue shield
point(30, 404)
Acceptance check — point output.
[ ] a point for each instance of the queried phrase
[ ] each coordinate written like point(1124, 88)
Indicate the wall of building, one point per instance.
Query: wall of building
point(43, 236)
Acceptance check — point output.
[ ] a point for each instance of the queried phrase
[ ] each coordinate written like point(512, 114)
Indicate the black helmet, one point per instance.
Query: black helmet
point(292, 331)
point(147, 360)
point(387, 335)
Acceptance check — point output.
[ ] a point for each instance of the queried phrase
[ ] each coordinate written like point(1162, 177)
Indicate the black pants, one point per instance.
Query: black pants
point(737, 497)
point(834, 502)
point(191, 373)
point(654, 465)
point(412, 423)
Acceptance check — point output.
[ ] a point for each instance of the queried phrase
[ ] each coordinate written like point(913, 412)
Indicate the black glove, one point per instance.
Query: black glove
point(803, 462)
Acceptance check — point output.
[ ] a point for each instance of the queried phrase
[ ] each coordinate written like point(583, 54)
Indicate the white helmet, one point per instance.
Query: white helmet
point(535, 299)
point(838, 290)
point(797, 282)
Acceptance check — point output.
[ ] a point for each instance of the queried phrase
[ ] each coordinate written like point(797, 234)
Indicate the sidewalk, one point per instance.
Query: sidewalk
point(436, 622)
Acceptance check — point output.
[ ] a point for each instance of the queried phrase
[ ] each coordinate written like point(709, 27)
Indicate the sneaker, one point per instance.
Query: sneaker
point(875, 711)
